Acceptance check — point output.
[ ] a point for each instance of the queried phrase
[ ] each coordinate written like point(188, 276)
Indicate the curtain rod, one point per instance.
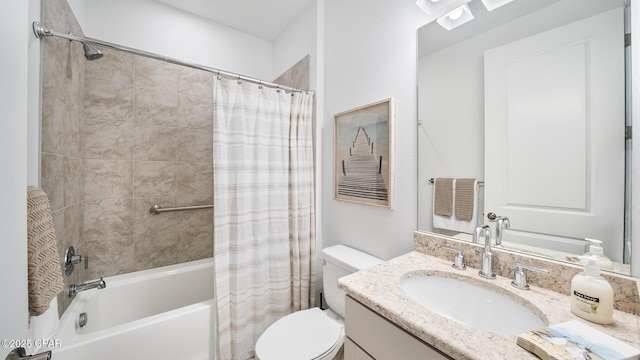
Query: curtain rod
point(41, 31)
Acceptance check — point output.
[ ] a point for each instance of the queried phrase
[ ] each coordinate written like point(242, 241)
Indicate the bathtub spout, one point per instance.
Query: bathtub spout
point(98, 284)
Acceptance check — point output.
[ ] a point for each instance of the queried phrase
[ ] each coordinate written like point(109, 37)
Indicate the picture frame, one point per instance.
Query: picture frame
point(363, 144)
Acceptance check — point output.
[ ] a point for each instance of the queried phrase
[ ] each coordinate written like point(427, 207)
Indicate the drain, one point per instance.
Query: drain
point(83, 319)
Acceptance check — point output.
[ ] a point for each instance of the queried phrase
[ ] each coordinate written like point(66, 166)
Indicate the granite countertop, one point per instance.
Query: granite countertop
point(379, 289)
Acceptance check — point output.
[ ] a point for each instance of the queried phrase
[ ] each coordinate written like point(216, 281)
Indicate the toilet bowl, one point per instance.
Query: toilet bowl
point(316, 334)
point(312, 334)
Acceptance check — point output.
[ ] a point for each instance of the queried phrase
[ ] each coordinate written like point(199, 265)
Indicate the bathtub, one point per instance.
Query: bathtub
point(163, 313)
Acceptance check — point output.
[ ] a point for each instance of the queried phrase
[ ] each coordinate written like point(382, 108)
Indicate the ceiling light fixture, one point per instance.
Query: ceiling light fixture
point(494, 4)
point(455, 17)
point(431, 6)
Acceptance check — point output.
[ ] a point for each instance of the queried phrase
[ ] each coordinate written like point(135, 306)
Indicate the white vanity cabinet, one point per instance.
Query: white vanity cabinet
point(372, 337)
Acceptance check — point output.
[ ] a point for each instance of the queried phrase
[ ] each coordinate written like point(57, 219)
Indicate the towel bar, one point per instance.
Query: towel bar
point(433, 180)
point(156, 209)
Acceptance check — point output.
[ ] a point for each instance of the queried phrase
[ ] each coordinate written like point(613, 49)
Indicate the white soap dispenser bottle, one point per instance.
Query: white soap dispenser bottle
point(591, 294)
point(595, 250)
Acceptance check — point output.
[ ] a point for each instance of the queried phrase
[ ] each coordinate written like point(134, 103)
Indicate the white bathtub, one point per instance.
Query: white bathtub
point(164, 313)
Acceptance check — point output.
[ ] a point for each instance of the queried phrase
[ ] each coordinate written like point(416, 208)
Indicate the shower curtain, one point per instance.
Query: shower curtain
point(264, 245)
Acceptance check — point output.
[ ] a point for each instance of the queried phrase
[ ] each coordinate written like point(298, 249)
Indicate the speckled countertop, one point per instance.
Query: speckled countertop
point(379, 289)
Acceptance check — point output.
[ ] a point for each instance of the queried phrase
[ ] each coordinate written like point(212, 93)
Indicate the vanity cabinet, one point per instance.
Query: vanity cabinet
point(372, 337)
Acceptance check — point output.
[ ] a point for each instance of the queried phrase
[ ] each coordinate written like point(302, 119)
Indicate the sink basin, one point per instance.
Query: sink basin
point(471, 305)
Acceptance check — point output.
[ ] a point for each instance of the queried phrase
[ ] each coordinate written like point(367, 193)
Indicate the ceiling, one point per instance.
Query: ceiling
point(265, 19)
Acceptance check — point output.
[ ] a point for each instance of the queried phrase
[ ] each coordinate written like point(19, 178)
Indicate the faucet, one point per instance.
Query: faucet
point(487, 267)
point(20, 354)
point(502, 223)
point(98, 284)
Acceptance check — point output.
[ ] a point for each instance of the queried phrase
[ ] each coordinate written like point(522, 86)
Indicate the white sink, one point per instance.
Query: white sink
point(471, 305)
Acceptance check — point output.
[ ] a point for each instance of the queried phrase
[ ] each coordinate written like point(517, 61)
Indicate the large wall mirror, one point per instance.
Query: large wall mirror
point(529, 99)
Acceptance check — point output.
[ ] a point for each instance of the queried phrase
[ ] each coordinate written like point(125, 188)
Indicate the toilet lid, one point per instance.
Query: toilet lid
point(305, 334)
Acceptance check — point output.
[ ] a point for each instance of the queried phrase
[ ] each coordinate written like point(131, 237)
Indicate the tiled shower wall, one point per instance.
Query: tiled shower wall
point(62, 106)
point(120, 134)
point(147, 139)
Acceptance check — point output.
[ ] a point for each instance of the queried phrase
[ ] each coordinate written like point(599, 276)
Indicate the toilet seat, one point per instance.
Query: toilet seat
point(308, 334)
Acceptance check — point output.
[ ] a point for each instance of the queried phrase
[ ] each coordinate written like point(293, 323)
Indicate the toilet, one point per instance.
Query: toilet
point(316, 334)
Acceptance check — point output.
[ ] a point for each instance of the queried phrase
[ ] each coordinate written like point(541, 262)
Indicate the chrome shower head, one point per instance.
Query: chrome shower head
point(90, 52)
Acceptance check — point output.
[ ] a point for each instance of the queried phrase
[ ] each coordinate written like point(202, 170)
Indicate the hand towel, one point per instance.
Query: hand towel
point(465, 198)
point(466, 203)
point(443, 197)
point(43, 263)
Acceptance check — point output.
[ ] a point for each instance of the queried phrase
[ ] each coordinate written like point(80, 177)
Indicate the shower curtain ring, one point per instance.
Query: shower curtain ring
point(219, 77)
point(239, 82)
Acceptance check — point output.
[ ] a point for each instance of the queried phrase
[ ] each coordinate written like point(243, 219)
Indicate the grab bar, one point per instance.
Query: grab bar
point(156, 209)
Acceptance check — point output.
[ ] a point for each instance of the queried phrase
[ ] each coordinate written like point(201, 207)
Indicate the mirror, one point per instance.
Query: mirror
point(487, 111)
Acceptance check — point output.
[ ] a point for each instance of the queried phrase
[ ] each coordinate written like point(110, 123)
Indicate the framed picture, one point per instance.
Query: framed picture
point(363, 154)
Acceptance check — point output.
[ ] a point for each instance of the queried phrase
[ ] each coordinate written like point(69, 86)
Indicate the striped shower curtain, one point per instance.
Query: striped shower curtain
point(264, 245)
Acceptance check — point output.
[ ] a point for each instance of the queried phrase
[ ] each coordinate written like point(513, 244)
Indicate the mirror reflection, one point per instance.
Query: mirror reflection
point(529, 100)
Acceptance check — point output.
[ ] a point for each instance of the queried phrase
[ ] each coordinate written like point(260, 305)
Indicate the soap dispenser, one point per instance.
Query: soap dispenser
point(596, 251)
point(591, 294)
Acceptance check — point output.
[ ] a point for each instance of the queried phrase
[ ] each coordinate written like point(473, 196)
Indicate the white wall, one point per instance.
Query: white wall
point(14, 105)
point(635, 83)
point(152, 26)
point(296, 41)
point(370, 55)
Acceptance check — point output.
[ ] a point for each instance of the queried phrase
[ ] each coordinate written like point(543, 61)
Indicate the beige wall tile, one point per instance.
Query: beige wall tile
point(156, 74)
point(110, 256)
point(157, 249)
point(62, 73)
point(72, 180)
point(108, 179)
point(195, 218)
point(72, 231)
point(53, 120)
point(71, 136)
point(196, 82)
point(195, 113)
point(195, 244)
point(147, 223)
point(194, 145)
point(107, 218)
point(155, 107)
point(107, 140)
point(115, 66)
point(52, 178)
point(107, 100)
point(58, 224)
point(155, 143)
point(194, 178)
point(154, 178)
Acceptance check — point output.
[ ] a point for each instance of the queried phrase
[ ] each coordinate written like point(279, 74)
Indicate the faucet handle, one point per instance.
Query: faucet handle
point(458, 260)
point(520, 277)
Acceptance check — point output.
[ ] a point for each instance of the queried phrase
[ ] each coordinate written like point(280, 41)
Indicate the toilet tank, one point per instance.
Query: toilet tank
point(339, 261)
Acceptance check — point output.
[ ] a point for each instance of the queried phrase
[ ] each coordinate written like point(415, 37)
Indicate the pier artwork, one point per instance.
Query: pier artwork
point(363, 155)
point(362, 172)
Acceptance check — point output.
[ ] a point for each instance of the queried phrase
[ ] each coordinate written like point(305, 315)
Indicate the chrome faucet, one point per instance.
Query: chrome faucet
point(21, 354)
point(487, 255)
point(502, 223)
point(98, 284)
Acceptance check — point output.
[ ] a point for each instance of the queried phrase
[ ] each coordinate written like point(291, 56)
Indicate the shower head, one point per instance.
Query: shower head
point(90, 52)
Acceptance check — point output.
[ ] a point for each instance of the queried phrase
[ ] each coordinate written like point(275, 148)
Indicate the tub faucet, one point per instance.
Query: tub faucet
point(502, 223)
point(487, 255)
point(98, 284)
